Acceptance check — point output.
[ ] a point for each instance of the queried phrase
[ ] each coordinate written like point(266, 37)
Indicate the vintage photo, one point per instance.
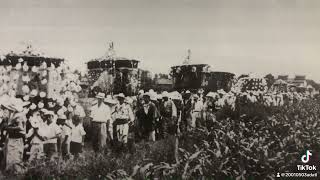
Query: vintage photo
point(150, 89)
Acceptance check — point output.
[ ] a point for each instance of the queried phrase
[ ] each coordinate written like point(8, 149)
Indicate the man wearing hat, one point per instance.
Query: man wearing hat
point(64, 139)
point(146, 116)
point(52, 132)
point(177, 100)
point(101, 115)
point(109, 101)
point(168, 112)
point(197, 112)
point(123, 116)
point(15, 127)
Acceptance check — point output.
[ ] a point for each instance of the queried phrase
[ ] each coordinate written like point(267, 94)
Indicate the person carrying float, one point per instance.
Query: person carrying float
point(15, 127)
point(168, 112)
point(123, 117)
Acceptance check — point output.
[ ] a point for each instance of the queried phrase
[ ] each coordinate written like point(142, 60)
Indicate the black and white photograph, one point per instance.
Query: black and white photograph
point(159, 89)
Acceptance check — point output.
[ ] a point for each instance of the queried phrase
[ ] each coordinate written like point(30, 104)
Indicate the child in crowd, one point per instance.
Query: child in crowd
point(77, 136)
point(64, 139)
point(35, 136)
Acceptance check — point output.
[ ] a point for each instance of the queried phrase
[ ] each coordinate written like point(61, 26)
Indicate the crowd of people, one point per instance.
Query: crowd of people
point(53, 128)
point(152, 116)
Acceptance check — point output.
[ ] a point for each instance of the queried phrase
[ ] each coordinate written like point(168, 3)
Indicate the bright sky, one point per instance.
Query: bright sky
point(239, 36)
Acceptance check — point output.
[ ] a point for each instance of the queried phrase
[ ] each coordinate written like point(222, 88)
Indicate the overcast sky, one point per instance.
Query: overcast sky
point(239, 36)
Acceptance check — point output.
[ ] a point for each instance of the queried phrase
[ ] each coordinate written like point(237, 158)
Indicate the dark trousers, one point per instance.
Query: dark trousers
point(75, 149)
point(167, 127)
point(50, 150)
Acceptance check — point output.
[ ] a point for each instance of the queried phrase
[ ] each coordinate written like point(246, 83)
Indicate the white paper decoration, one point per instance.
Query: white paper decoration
point(44, 73)
point(40, 105)
point(60, 112)
point(25, 78)
point(2, 57)
point(52, 67)
point(44, 81)
point(70, 109)
point(18, 66)
point(42, 94)
point(34, 69)
point(25, 89)
point(26, 98)
point(33, 106)
point(9, 68)
point(60, 101)
point(44, 65)
point(16, 76)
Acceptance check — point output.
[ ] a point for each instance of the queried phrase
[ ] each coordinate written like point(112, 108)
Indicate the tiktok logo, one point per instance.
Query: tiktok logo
point(306, 157)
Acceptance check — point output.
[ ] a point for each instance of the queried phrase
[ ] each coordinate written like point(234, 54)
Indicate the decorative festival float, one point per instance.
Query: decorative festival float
point(198, 76)
point(251, 82)
point(280, 86)
point(112, 74)
point(31, 75)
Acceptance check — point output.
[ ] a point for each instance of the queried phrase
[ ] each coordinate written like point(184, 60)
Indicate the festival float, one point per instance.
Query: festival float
point(32, 75)
point(198, 76)
point(112, 75)
point(280, 86)
point(251, 82)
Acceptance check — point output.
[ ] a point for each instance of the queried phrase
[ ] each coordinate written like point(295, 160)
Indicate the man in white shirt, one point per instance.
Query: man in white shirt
point(197, 112)
point(52, 132)
point(168, 112)
point(101, 115)
point(123, 116)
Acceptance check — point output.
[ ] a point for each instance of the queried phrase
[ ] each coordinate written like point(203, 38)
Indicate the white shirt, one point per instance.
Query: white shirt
point(77, 132)
point(52, 130)
point(100, 114)
point(146, 107)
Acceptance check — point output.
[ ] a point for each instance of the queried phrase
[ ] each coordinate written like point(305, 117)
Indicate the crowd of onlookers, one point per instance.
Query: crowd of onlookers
point(53, 128)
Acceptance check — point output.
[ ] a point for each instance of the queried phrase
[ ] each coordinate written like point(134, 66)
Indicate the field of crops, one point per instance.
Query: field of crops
point(253, 141)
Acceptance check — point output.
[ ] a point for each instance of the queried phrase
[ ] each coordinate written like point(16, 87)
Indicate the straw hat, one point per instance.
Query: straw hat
point(149, 94)
point(14, 104)
point(49, 113)
point(159, 96)
point(129, 100)
point(62, 116)
point(221, 91)
point(121, 95)
point(195, 96)
point(109, 100)
point(154, 96)
point(100, 95)
point(211, 94)
point(165, 94)
point(176, 96)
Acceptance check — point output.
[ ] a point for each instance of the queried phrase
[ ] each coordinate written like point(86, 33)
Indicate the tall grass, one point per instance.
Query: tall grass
point(252, 142)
